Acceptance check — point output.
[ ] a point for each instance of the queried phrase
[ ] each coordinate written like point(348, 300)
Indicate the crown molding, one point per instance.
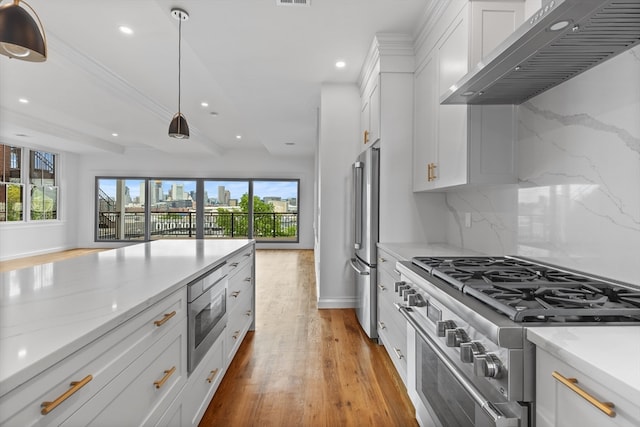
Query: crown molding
point(388, 53)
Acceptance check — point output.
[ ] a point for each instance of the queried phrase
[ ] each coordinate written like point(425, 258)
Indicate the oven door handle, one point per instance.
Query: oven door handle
point(498, 418)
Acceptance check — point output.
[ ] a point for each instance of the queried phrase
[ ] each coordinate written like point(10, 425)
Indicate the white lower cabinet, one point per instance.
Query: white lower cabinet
point(561, 398)
point(201, 385)
point(140, 394)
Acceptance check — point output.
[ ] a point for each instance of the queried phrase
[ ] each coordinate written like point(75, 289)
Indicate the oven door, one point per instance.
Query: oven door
point(207, 320)
point(446, 398)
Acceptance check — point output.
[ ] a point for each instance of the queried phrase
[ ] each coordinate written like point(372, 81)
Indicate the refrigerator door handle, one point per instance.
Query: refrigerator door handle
point(353, 262)
point(357, 193)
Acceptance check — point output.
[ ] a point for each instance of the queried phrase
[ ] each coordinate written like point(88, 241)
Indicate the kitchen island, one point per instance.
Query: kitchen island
point(53, 313)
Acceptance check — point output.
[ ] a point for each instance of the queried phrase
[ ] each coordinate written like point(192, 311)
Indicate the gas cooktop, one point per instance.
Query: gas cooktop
point(526, 291)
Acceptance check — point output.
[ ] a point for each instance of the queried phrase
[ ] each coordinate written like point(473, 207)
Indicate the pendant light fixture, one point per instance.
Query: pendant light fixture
point(20, 36)
point(178, 127)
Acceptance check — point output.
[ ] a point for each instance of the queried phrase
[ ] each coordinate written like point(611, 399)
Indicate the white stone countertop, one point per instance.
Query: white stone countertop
point(49, 311)
point(406, 251)
point(608, 354)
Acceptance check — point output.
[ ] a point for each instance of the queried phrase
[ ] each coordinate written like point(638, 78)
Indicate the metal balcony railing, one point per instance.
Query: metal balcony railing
point(266, 225)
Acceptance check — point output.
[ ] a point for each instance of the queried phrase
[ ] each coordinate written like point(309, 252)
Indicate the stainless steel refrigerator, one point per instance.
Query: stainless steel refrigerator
point(366, 177)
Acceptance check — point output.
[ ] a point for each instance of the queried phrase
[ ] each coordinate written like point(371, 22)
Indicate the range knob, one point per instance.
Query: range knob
point(443, 325)
point(487, 365)
point(416, 300)
point(470, 350)
point(455, 337)
point(406, 292)
point(399, 286)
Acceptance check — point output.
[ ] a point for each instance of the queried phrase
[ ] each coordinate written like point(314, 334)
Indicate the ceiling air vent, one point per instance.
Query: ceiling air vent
point(293, 2)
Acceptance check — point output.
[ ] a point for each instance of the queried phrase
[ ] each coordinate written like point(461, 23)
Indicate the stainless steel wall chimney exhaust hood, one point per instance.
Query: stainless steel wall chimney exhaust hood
point(560, 41)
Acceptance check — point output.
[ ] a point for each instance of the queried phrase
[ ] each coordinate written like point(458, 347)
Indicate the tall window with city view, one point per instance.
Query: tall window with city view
point(175, 209)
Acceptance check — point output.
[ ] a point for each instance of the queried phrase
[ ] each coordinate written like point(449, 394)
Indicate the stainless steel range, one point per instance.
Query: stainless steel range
point(469, 361)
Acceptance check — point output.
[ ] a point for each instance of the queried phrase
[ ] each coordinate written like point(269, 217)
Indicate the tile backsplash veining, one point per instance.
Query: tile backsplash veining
point(577, 203)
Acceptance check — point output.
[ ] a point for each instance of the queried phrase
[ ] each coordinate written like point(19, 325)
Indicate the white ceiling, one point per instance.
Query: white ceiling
point(258, 65)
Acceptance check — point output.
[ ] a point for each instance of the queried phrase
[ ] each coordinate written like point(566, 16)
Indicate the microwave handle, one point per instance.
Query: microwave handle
point(498, 418)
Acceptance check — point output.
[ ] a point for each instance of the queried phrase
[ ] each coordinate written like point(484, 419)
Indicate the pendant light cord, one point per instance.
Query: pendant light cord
point(179, 59)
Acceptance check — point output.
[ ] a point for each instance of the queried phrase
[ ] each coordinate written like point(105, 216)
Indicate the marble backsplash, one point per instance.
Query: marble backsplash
point(577, 203)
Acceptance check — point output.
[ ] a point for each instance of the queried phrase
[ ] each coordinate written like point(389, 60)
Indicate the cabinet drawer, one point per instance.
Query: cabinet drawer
point(387, 263)
point(240, 260)
point(240, 320)
point(202, 384)
point(102, 360)
point(557, 405)
point(239, 285)
point(141, 393)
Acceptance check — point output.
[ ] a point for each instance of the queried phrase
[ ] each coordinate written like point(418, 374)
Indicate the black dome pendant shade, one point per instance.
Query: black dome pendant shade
point(20, 36)
point(178, 128)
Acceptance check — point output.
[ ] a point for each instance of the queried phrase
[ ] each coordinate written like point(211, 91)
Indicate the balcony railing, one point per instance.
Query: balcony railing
point(266, 225)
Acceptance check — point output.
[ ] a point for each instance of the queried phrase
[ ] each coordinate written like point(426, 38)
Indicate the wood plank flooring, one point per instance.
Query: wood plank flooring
point(303, 366)
point(15, 264)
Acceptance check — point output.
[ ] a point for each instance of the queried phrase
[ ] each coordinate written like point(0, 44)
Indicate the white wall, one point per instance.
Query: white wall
point(237, 164)
point(578, 200)
point(35, 238)
point(339, 131)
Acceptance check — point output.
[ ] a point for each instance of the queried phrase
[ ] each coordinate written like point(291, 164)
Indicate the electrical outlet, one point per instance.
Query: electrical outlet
point(467, 219)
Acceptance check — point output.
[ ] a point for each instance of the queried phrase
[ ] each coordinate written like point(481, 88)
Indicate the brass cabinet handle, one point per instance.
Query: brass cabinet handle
point(212, 375)
point(381, 325)
point(233, 264)
point(381, 260)
point(166, 317)
point(381, 287)
point(247, 254)
point(247, 279)
point(75, 386)
point(248, 313)
point(164, 379)
point(366, 137)
point(235, 294)
point(433, 171)
point(605, 407)
point(236, 334)
point(398, 353)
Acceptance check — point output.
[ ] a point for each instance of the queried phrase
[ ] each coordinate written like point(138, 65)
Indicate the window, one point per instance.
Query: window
point(196, 208)
point(121, 209)
point(11, 187)
point(44, 192)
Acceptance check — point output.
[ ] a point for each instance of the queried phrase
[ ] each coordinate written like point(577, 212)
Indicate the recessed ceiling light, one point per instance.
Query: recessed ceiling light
point(114, 134)
point(23, 100)
point(214, 113)
point(341, 64)
point(238, 136)
point(204, 104)
point(125, 30)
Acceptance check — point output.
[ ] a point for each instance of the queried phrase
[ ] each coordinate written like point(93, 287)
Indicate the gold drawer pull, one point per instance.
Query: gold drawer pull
point(605, 407)
point(248, 313)
point(164, 379)
point(366, 137)
point(212, 376)
point(233, 264)
point(236, 334)
point(247, 279)
point(75, 386)
point(381, 287)
point(235, 294)
point(247, 254)
point(398, 353)
point(381, 325)
point(166, 317)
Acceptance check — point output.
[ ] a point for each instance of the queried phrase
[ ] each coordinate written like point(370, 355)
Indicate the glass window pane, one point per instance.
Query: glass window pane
point(121, 213)
point(11, 202)
point(42, 168)
point(275, 210)
point(226, 209)
point(44, 202)
point(10, 164)
point(173, 208)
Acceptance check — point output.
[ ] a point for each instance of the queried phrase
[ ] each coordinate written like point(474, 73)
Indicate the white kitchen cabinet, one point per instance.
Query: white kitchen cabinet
point(557, 405)
point(392, 327)
point(370, 111)
point(201, 385)
point(140, 394)
point(99, 365)
point(240, 301)
point(458, 145)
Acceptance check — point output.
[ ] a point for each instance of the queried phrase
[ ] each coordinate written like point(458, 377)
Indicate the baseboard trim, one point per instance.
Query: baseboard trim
point(324, 303)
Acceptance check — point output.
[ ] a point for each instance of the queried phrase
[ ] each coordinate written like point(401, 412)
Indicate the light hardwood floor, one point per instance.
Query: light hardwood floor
point(303, 366)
